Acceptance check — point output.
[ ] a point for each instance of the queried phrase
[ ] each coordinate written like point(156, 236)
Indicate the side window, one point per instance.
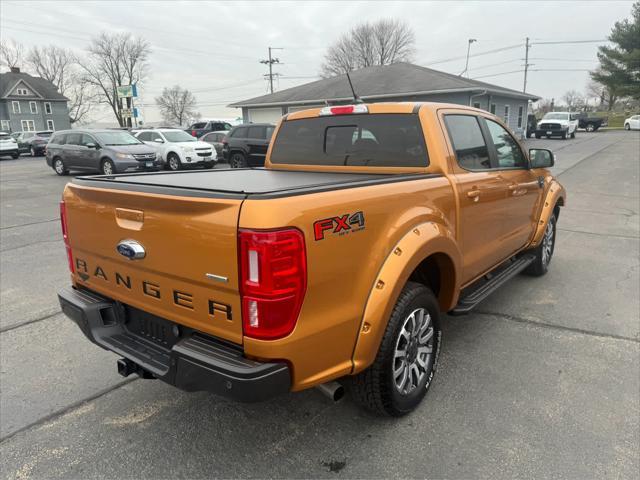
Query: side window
point(256, 132)
point(143, 137)
point(493, 108)
point(58, 139)
point(471, 150)
point(87, 139)
point(73, 139)
point(508, 150)
point(153, 136)
point(269, 133)
point(520, 115)
point(240, 132)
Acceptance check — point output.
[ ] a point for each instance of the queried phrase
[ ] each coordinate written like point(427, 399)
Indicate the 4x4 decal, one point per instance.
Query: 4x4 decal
point(340, 225)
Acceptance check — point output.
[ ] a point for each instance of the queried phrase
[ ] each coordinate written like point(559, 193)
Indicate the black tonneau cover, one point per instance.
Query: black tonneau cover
point(241, 182)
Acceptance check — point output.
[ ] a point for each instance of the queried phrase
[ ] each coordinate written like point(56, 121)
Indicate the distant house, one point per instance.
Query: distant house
point(30, 104)
point(399, 82)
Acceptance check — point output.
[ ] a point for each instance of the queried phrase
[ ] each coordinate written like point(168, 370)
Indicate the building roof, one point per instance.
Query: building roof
point(379, 82)
point(43, 89)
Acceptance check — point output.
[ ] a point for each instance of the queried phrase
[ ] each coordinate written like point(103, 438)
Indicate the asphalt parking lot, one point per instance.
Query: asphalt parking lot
point(542, 381)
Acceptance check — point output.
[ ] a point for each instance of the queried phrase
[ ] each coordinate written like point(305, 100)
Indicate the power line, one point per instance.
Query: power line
point(498, 74)
point(487, 52)
point(566, 42)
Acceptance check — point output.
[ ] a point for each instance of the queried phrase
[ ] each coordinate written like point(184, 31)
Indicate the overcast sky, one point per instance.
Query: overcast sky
point(214, 48)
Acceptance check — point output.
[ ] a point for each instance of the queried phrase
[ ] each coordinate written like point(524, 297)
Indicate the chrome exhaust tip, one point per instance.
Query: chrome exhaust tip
point(333, 390)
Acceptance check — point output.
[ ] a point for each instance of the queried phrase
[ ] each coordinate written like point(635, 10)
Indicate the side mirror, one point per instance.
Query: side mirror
point(90, 145)
point(541, 158)
point(158, 140)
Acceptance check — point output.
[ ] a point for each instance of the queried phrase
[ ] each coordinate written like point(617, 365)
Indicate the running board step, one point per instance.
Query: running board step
point(481, 289)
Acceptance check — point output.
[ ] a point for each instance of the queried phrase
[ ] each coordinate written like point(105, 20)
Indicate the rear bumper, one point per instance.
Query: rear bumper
point(190, 360)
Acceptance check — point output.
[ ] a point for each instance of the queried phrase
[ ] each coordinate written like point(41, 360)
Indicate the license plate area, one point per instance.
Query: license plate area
point(549, 132)
point(151, 327)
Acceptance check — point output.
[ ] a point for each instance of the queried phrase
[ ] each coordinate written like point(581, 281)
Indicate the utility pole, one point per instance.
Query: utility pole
point(466, 65)
point(270, 61)
point(526, 64)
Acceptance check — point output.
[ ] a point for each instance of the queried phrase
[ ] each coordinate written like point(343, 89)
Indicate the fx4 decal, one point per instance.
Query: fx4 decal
point(340, 225)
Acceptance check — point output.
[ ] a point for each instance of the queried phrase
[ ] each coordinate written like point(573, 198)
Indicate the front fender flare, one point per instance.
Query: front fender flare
point(419, 243)
point(556, 195)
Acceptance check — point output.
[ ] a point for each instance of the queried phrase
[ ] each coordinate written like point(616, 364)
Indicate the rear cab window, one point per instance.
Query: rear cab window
point(369, 140)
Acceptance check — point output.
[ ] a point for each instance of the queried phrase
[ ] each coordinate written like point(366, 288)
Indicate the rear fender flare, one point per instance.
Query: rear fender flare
point(419, 243)
point(556, 195)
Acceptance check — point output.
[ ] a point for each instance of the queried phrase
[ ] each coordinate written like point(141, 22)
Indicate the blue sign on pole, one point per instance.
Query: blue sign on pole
point(136, 114)
point(134, 90)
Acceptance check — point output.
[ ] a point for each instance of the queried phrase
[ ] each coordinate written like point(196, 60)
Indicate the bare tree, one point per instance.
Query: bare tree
point(113, 60)
point(177, 105)
point(60, 67)
point(573, 99)
point(11, 53)
point(380, 43)
point(596, 91)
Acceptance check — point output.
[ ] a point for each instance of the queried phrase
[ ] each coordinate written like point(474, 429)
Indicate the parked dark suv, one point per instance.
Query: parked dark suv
point(247, 144)
point(105, 151)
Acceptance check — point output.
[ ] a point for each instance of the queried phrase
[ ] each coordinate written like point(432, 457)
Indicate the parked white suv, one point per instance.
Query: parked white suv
point(177, 149)
point(557, 124)
point(8, 145)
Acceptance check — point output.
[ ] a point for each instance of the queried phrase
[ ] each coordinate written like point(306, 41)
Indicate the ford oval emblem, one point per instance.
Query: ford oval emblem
point(131, 249)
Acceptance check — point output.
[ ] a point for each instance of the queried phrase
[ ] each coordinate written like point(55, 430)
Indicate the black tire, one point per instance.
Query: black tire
point(627, 126)
point(538, 136)
point(208, 164)
point(590, 127)
point(59, 166)
point(540, 265)
point(573, 134)
point(107, 167)
point(376, 387)
point(15, 155)
point(33, 152)
point(173, 162)
point(237, 160)
point(565, 135)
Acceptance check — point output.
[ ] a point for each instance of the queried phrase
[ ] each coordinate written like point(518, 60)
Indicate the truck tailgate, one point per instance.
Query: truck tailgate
point(189, 273)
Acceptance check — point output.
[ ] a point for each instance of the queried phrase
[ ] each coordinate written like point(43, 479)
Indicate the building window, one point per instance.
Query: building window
point(28, 126)
point(506, 114)
point(47, 108)
point(5, 125)
point(493, 108)
point(22, 91)
point(16, 106)
point(33, 106)
point(520, 115)
point(476, 104)
point(50, 125)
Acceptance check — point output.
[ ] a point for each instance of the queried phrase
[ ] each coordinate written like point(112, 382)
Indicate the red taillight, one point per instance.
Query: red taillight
point(65, 235)
point(344, 109)
point(193, 133)
point(225, 140)
point(273, 281)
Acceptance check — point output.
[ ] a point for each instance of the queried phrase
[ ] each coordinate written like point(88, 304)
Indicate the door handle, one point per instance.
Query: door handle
point(474, 195)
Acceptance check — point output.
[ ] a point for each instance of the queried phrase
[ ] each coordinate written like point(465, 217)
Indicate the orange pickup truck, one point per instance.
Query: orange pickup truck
point(334, 262)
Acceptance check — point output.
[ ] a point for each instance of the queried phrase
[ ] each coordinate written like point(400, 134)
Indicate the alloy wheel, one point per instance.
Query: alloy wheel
point(59, 167)
point(107, 168)
point(173, 163)
point(547, 244)
point(413, 351)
